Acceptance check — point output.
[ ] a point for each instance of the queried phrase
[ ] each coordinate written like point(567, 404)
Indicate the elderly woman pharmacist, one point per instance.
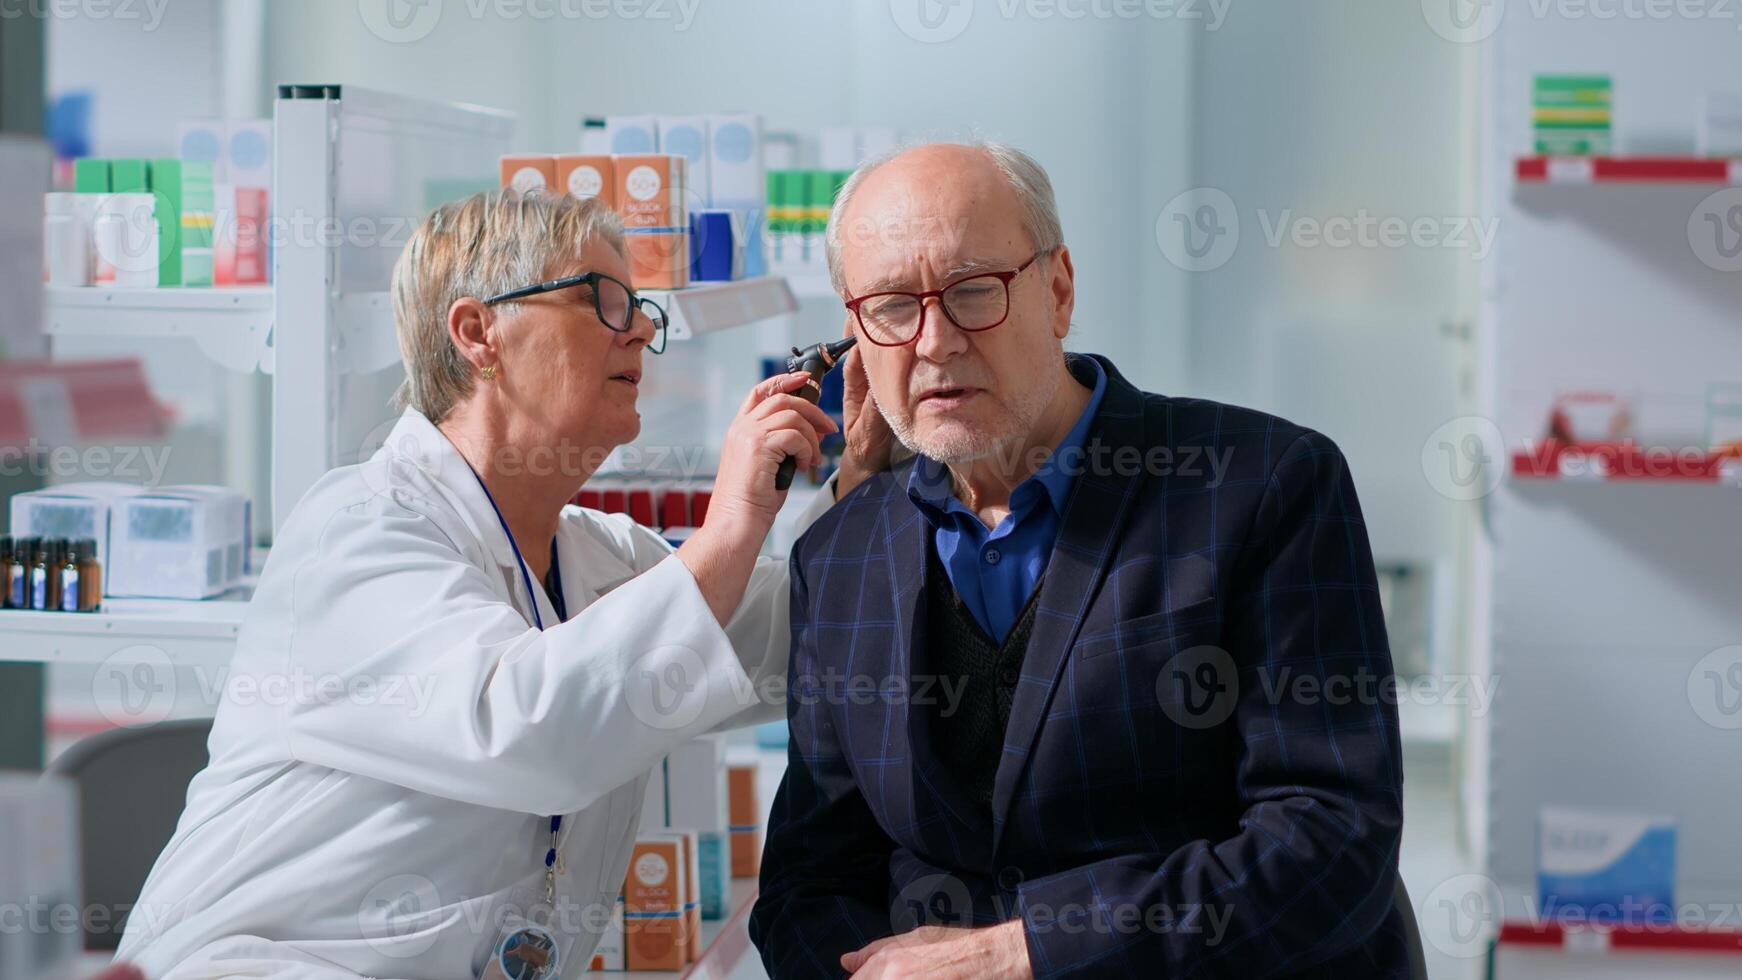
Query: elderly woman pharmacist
point(543, 657)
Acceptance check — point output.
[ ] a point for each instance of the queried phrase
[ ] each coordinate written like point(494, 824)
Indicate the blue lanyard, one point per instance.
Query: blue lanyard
point(557, 602)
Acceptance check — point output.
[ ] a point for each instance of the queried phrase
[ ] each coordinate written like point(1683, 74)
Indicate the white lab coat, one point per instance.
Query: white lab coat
point(394, 732)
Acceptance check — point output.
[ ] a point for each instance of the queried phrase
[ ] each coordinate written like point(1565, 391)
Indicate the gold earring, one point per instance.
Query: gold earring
point(488, 372)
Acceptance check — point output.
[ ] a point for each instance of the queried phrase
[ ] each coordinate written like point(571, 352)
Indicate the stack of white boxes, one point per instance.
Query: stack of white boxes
point(187, 542)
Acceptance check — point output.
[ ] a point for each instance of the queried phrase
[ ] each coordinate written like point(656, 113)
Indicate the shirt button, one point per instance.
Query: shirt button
point(1009, 878)
point(992, 556)
point(1008, 675)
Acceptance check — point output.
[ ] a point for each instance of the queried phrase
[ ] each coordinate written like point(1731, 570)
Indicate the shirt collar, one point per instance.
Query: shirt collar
point(930, 484)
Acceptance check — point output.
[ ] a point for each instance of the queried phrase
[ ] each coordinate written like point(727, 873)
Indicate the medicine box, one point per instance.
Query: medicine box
point(744, 816)
point(735, 161)
point(248, 152)
point(697, 772)
point(527, 173)
point(631, 134)
point(178, 543)
point(692, 910)
point(687, 137)
point(587, 176)
point(608, 954)
point(39, 826)
point(1605, 867)
point(650, 191)
point(653, 918)
point(73, 511)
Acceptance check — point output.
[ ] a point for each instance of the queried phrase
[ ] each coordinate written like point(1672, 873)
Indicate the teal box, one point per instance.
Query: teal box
point(716, 861)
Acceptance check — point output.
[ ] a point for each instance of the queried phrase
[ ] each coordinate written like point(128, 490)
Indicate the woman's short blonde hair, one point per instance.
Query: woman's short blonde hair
point(486, 244)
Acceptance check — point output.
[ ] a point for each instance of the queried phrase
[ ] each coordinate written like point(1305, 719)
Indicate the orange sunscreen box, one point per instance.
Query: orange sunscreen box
point(692, 898)
point(653, 922)
point(651, 191)
point(744, 820)
point(587, 176)
point(528, 173)
point(658, 258)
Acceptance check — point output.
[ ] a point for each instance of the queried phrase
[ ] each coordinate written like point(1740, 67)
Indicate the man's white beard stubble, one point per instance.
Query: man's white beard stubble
point(956, 445)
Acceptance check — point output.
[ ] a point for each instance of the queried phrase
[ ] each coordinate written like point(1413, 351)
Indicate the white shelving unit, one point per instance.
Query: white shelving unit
point(1602, 589)
point(348, 159)
point(231, 325)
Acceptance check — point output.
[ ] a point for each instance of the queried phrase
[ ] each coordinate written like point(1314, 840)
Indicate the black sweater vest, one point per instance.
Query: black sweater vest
point(968, 734)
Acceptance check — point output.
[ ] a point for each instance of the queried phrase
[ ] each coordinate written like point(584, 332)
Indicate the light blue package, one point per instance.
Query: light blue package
point(1603, 867)
point(716, 862)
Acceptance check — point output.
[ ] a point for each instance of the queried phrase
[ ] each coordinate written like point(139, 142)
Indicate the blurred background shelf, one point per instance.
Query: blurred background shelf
point(710, 307)
point(232, 325)
point(1628, 170)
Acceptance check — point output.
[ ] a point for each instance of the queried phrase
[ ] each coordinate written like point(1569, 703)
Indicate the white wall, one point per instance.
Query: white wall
point(1104, 104)
point(1314, 112)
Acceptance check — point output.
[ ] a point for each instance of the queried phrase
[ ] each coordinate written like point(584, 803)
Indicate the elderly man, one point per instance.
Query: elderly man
point(1089, 684)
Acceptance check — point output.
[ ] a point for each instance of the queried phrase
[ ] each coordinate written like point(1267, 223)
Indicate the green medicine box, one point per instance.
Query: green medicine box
point(186, 206)
point(91, 175)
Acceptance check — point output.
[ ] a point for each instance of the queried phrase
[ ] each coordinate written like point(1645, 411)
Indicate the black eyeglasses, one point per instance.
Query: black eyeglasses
point(613, 301)
point(974, 303)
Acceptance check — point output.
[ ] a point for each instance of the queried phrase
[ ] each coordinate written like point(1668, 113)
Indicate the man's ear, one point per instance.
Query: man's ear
point(469, 323)
point(1063, 284)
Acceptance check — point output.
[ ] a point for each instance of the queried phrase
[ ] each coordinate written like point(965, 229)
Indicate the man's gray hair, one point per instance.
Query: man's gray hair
point(1040, 212)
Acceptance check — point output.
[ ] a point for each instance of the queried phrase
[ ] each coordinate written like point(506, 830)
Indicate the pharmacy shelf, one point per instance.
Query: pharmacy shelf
point(715, 306)
point(1623, 462)
point(1589, 940)
point(128, 631)
point(231, 325)
point(1628, 170)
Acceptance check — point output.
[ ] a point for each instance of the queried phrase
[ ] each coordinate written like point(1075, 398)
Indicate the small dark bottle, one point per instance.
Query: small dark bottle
point(6, 571)
point(45, 575)
point(90, 577)
point(71, 584)
point(18, 573)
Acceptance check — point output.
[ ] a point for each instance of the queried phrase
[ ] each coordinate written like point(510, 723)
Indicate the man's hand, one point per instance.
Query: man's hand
point(870, 443)
point(999, 952)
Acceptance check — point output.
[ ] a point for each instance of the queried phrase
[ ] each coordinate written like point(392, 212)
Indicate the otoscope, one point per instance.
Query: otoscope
point(816, 361)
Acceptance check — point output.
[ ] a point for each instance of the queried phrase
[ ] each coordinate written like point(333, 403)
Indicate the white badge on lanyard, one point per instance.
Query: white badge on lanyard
point(525, 952)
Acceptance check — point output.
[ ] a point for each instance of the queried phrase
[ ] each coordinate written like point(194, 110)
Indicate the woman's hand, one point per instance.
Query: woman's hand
point(871, 446)
point(772, 424)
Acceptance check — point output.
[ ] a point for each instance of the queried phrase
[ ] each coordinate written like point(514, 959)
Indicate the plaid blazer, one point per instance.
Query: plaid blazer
point(1201, 776)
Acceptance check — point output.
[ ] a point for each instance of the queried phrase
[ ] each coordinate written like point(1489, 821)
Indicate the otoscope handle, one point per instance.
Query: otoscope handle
point(810, 393)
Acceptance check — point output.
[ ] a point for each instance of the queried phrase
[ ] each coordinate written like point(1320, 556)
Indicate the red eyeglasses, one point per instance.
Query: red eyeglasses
point(973, 303)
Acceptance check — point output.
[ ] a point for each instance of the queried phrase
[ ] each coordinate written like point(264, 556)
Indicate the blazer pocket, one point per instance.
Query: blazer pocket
point(1146, 630)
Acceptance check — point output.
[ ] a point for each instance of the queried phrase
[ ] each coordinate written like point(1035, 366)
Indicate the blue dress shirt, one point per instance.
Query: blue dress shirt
point(994, 571)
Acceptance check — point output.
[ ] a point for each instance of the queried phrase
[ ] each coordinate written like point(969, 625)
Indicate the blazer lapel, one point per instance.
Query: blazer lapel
point(1098, 506)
